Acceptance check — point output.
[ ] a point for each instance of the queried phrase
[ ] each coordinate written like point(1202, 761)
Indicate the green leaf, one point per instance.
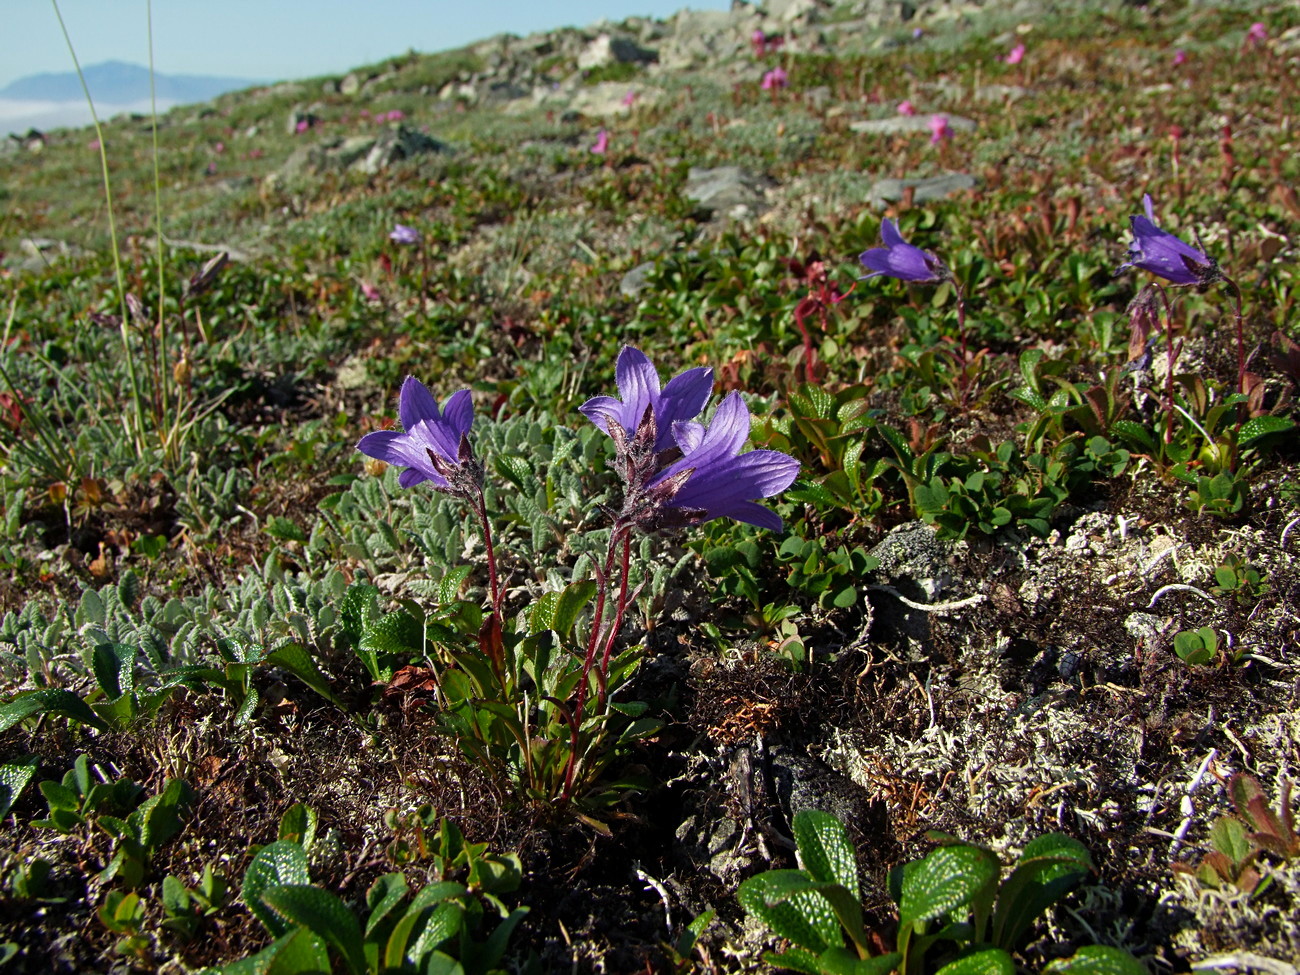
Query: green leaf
point(49, 700)
point(384, 894)
point(283, 528)
point(514, 469)
point(985, 961)
point(323, 913)
point(114, 665)
point(14, 776)
point(294, 658)
point(785, 901)
point(1229, 836)
point(1258, 428)
point(393, 633)
point(948, 878)
point(275, 865)
point(298, 824)
point(300, 952)
point(449, 585)
point(1097, 960)
point(576, 595)
point(826, 850)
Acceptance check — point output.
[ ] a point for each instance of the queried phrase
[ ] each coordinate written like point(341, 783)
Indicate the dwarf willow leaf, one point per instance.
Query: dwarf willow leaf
point(826, 850)
point(14, 776)
point(946, 879)
point(52, 701)
point(325, 915)
point(782, 900)
point(1097, 960)
point(986, 961)
point(275, 865)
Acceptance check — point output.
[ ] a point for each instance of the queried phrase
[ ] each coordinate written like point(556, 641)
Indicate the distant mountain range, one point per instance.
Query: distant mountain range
point(119, 83)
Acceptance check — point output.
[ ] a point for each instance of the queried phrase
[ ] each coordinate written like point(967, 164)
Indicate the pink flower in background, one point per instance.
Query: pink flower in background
point(939, 129)
point(629, 99)
point(370, 291)
point(364, 113)
point(601, 144)
point(1257, 34)
point(396, 115)
point(759, 40)
point(774, 79)
point(93, 145)
point(1180, 57)
point(905, 107)
point(302, 126)
point(1016, 55)
point(219, 148)
point(212, 169)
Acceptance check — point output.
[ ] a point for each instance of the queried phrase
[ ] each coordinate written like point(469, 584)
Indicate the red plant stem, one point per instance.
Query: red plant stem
point(480, 509)
point(617, 534)
point(1172, 356)
point(602, 675)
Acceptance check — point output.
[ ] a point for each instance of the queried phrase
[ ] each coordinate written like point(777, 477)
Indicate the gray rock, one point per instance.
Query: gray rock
point(607, 49)
point(365, 153)
point(636, 280)
point(899, 124)
point(924, 189)
point(397, 144)
point(350, 85)
point(792, 11)
point(297, 116)
point(727, 189)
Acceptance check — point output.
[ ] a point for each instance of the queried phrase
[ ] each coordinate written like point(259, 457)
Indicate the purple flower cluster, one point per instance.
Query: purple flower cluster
point(1163, 254)
point(435, 444)
point(677, 471)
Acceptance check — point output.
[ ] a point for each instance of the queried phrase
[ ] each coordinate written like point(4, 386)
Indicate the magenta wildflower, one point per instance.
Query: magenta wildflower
point(899, 259)
point(435, 444)
point(638, 385)
point(396, 115)
point(1163, 254)
point(1257, 34)
point(1015, 56)
point(759, 40)
point(629, 99)
point(939, 129)
point(1180, 58)
point(601, 145)
point(371, 292)
point(402, 234)
point(905, 107)
point(774, 79)
point(302, 126)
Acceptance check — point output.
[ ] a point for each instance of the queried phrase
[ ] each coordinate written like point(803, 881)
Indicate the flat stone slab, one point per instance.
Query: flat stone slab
point(906, 124)
point(924, 189)
point(725, 188)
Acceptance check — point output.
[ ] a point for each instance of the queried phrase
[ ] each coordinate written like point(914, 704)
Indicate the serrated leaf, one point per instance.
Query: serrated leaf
point(50, 700)
point(1097, 960)
point(285, 529)
point(514, 469)
point(948, 878)
point(275, 865)
point(114, 666)
point(324, 914)
point(295, 658)
point(397, 632)
point(986, 961)
point(14, 776)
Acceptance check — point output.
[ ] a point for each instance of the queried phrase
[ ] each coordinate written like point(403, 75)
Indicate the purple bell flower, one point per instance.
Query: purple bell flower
point(638, 385)
point(434, 446)
point(1163, 254)
point(713, 479)
point(403, 234)
point(899, 259)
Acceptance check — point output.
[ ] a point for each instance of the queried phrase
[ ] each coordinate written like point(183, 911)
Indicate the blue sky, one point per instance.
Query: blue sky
point(277, 39)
